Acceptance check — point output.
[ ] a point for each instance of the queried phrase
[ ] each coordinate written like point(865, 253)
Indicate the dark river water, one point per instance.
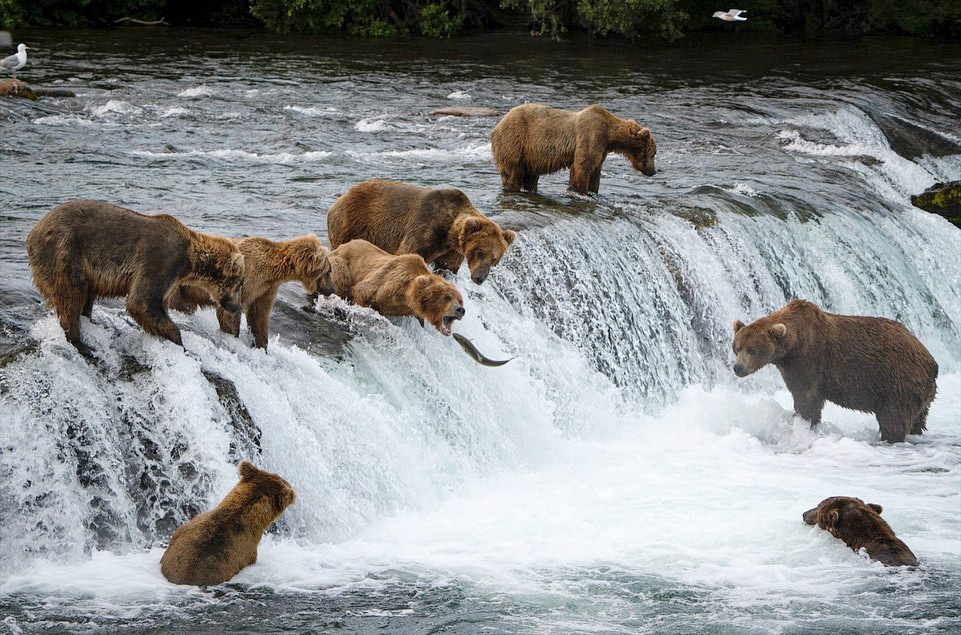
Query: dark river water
point(616, 477)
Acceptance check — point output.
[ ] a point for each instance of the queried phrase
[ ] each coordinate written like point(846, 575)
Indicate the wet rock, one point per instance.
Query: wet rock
point(465, 111)
point(247, 432)
point(911, 140)
point(314, 332)
point(943, 199)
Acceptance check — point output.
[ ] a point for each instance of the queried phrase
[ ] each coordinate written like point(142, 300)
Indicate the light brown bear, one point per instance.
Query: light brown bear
point(441, 226)
point(862, 363)
point(393, 285)
point(268, 264)
point(214, 546)
point(534, 139)
point(82, 250)
point(860, 526)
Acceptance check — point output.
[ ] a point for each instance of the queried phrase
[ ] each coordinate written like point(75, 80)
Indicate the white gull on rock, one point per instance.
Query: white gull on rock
point(15, 62)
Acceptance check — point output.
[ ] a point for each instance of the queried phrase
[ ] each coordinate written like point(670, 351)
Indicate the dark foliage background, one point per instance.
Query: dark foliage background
point(668, 19)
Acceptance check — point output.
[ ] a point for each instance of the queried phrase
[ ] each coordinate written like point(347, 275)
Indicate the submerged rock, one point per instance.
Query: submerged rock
point(943, 199)
point(465, 111)
point(911, 140)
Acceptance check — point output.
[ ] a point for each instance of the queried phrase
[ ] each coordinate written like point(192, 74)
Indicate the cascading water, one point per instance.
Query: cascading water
point(615, 476)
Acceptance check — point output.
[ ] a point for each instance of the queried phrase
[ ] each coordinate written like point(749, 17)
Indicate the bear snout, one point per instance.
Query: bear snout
point(740, 371)
point(810, 516)
point(480, 274)
point(229, 305)
point(459, 312)
point(651, 171)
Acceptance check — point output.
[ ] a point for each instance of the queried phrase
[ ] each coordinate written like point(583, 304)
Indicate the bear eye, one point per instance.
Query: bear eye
point(750, 351)
point(448, 297)
point(479, 253)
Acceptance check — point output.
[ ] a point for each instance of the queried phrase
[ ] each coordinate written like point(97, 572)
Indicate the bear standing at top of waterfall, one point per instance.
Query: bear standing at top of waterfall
point(268, 264)
point(83, 250)
point(214, 546)
point(863, 363)
point(860, 526)
point(534, 139)
point(442, 226)
point(368, 276)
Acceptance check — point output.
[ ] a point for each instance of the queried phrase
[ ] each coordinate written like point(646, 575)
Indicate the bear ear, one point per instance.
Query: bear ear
point(509, 235)
point(875, 507)
point(247, 470)
point(738, 325)
point(472, 225)
point(832, 519)
point(779, 330)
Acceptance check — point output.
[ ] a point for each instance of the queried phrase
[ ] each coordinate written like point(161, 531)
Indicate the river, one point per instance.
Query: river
point(616, 477)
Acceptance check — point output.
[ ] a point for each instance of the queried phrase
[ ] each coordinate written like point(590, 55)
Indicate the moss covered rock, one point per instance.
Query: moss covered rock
point(943, 199)
point(16, 88)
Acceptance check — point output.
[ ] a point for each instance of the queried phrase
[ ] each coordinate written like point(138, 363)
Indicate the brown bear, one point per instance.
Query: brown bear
point(863, 363)
point(82, 250)
point(368, 276)
point(439, 225)
point(214, 546)
point(861, 526)
point(267, 265)
point(534, 139)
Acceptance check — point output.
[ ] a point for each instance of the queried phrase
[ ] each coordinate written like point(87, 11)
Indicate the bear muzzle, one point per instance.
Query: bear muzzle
point(740, 370)
point(480, 274)
point(229, 305)
point(810, 516)
point(651, 171)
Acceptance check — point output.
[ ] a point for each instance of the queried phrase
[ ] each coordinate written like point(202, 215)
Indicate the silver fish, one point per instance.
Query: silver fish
point(475, 354)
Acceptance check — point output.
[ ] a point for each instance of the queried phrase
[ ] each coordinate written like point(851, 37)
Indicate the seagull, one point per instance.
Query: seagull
point(732, 15)
point(15, 62)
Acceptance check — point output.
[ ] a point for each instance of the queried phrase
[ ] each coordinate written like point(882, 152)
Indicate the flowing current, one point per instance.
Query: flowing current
point(616, 476)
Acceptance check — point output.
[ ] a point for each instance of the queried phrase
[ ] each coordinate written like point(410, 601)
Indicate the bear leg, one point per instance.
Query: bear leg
point(152, 317)
point(88, 305)
point(68, 296)
point(809, 409)
point(920, 422)
point(594, 183)
point(893, 425)
point(229, 322)
point(512, 179)
point(258, 318)
point(530, 181)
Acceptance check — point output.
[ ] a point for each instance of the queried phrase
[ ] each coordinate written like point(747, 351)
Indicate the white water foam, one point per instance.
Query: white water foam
point(459, 95)
point(472, 153)
point(114, 107)
point(312, 111)
point(241, 155)
point(197, 91)
point(373, 124)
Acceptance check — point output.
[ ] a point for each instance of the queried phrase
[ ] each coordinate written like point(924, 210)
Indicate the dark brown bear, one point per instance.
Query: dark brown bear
point(267, 265)
point(214, 546)
point(393, 285)
point(862, 363)
point(534, 139)
point(860, 526)
point(83, 250)
point(441, 226)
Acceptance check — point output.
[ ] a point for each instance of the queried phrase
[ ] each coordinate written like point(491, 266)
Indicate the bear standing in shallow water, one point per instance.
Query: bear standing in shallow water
point(83, 250)
point(862, 363)
point(860, 526)
point(534, 139)
point(441, 226)
point(214, 546)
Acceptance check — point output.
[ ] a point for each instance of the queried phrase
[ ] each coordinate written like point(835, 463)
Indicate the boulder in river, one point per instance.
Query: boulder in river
point(465, 111)
point(943, 199)
point(911, 140)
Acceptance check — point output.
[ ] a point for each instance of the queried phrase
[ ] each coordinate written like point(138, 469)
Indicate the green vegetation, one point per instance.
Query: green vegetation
point(668, 19)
